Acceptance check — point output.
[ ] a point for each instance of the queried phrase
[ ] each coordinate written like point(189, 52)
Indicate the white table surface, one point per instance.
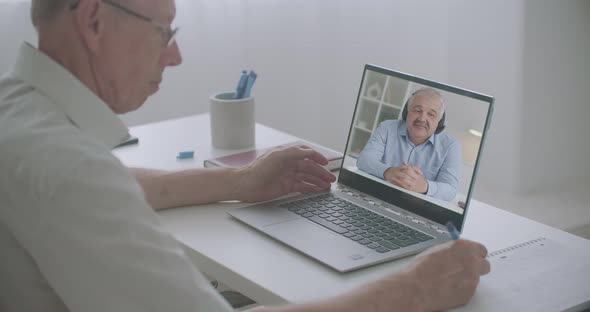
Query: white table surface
point(264, 269)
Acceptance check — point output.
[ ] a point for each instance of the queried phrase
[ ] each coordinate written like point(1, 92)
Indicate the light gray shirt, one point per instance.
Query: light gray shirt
point(76, 233)
point(439, 157)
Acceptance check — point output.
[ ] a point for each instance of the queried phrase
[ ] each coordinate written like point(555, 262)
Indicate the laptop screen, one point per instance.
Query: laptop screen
point(416, 143)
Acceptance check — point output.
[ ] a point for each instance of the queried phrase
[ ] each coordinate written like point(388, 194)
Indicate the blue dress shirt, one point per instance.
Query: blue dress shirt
point(439, 157)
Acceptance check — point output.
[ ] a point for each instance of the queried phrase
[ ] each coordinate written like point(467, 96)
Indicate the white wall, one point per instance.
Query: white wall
point(556, 111)
point(311, 54)
point(15, 26)
point(485, 54)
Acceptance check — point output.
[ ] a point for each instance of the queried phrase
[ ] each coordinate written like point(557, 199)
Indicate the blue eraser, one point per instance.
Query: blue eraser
point(185, 155)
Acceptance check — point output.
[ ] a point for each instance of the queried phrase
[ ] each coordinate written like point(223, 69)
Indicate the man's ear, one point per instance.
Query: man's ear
point(90, 22)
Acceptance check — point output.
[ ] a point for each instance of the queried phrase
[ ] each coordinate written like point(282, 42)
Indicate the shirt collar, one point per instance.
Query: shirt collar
point(84, 109)
point(402, 130)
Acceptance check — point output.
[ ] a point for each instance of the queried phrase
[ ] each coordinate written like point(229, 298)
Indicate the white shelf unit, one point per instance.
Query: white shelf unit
point(382, 98)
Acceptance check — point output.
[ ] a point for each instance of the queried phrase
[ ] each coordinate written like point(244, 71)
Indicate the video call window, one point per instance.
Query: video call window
point(417, 139)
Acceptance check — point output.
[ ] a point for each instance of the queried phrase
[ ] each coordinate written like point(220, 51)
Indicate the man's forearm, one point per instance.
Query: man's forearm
point(441, 190)
point(166, 189)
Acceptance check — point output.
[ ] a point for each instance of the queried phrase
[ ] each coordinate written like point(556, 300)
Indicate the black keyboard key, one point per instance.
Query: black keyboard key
point(382, 250)
point(372, 217)
point(365, 241)
point(330, 218)
point(374, 245)
point(356, 238)
point(336, 221)
point(389, 245)
point(329, 225)
point(367, 235)
point(348, 234)
point(404, 243)
point(308, 215)
point(324, 215)
point(376, 238)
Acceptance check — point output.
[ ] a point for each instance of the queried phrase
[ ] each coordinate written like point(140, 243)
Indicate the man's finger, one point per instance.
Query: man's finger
point(417, 170)
point(303, 152)
point(485, 267)
point(303, 187)
point(311, 179)
point(310, 167)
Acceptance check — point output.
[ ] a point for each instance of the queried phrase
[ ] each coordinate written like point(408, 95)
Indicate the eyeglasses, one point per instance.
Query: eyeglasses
point(168, 34)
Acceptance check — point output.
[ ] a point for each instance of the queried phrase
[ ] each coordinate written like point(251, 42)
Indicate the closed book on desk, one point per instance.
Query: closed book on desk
point(244, 158)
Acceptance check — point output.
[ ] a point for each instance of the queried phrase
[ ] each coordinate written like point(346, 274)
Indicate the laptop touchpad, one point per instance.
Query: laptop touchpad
point(263, 215)
point(321, 243)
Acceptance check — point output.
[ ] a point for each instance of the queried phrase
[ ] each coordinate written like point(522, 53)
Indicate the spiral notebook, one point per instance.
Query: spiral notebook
point(537, 275)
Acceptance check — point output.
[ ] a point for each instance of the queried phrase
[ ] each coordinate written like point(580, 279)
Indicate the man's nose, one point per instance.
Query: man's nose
point(172, 56)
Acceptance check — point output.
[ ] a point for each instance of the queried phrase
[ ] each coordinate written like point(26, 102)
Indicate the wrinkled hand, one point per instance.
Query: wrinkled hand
point(446, 276)
point(283, 171)
point(408, 177)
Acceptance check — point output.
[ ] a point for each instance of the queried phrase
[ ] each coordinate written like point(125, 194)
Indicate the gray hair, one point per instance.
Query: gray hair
point(431, 92)
point(44, 10)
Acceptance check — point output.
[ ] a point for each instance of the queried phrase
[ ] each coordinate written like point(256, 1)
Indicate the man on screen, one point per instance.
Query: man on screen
point(415, 153)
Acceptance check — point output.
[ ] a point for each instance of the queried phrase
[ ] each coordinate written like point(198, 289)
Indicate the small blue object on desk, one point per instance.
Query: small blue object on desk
point(453, 230)
point(245, 84)
point(185, 155)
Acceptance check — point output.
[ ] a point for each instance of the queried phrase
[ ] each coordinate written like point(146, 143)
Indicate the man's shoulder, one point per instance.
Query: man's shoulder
point(40, 146)
point(447, 140)
point(391, 125)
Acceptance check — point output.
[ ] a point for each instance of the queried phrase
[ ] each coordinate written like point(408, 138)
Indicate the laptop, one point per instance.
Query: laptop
point(370, 216)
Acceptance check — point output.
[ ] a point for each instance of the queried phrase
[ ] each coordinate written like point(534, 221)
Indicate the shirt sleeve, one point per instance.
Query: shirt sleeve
point(447, 179)
point(102, 248)
point(370, 158)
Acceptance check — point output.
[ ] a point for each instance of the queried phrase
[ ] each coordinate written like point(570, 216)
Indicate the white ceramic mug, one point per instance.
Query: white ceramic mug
point(232, 121)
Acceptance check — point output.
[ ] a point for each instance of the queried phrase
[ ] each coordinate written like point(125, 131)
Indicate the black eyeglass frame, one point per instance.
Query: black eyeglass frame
point(168, 33)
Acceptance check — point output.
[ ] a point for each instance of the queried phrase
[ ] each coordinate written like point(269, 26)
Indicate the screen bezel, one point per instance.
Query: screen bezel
point(409, 202)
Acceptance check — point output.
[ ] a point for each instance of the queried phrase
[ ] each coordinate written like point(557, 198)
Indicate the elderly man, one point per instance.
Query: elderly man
point(411, 153)
point(77, 229)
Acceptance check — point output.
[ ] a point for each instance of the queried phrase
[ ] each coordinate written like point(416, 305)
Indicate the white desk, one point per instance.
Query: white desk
point(262, 268)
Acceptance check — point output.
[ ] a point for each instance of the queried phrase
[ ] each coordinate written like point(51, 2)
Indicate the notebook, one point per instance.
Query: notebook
point(411, 157)
point(537, 275)
point(241, 159)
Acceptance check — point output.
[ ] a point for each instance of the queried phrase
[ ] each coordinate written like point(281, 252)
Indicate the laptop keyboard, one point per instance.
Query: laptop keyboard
point(356, 223)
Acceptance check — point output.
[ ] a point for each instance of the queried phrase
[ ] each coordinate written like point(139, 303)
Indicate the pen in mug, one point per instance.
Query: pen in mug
point(241, 85)
point(251, 78)
point(452, 230)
